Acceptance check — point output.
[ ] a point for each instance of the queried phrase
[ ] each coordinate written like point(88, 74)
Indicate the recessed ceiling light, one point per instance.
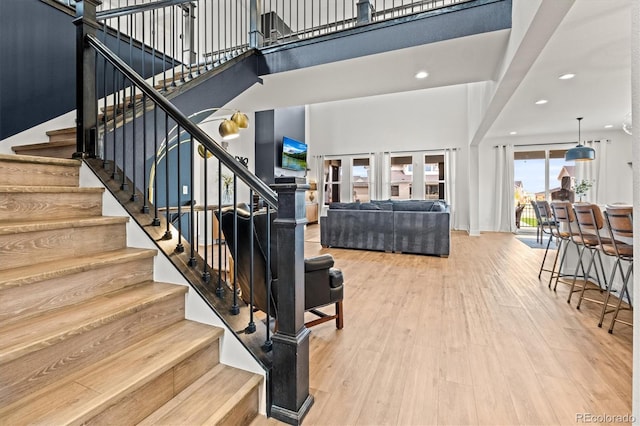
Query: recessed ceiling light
point(541, 102)
point(513, 133)
point(567, 76)
point(422, 74)
point(608, 126)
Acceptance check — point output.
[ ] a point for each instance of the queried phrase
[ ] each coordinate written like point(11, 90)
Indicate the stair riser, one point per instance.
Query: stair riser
point(24, 249)
point(24, 301)
point(37, 206)
point(17, 173)
point(244, 411)
point(144, 401)
point(55, 152)
point(62, 135)
point(30, 372)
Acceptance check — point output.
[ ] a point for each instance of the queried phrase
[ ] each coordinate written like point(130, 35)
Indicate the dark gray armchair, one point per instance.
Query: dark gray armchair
point(323, 282)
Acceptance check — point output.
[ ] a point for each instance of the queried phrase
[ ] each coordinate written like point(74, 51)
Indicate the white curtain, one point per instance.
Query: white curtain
point(320, 179)
point(450, 170)
point(505, 212)
point(595, 172)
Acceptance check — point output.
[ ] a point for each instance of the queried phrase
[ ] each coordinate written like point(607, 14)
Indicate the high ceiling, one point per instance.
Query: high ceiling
point(592, 41)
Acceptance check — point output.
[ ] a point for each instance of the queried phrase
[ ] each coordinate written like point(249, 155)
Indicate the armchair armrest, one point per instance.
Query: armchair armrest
point(318, 263)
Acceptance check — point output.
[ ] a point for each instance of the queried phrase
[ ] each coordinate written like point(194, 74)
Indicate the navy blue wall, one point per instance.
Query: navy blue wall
point(271, 126)
point(37, 64)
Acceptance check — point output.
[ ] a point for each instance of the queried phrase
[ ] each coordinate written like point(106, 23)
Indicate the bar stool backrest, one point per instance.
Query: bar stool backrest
point(563, 212)
point(544, 210)
point(620, 219)
point(589, 217)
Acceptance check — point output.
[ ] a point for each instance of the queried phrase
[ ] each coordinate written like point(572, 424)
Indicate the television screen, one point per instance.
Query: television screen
point(294, 154)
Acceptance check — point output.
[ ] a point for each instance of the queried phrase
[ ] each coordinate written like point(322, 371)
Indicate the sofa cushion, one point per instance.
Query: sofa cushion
point(345, 206)
point(383, 204)
point(412, 206)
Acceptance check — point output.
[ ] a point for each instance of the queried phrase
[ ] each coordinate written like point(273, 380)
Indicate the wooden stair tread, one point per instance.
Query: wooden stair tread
point(62, 131)
point(94, 388)
point(49, 189)
point(19, 226)
point(48, 270)
point(55, 326)
point(40, 160)
point(41, 145)
point(195, 405)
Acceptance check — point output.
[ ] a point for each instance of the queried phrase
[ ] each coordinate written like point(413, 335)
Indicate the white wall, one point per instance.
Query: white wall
point(410, 121)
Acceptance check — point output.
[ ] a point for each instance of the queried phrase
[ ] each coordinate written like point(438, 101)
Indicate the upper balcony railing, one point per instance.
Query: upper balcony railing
point(288, 20)
point(213, 32)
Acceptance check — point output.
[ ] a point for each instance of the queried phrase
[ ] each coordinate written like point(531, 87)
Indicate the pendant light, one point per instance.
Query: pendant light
point(580, 152)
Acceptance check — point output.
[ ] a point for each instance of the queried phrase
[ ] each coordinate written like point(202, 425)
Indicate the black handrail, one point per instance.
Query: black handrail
point(139, 8)
point(182, 120)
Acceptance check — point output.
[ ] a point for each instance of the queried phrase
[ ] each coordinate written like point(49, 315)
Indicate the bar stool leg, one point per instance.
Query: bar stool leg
point(622, 293)
point(606, 299)
point(544, 258)
point(575, 273)
point(555, 261)
point(564, 255)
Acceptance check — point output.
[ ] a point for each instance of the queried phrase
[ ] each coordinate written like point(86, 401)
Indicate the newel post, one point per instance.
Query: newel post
point(290, 378)
point(86, 102)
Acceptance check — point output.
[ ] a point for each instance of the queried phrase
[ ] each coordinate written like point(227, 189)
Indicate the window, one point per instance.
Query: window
point(434, 177)
point(538, 175)
point(360, 180)
point(401, 177)
point(333, 181)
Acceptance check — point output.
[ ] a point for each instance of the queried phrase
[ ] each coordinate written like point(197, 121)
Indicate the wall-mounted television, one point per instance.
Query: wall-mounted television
point(294, 154)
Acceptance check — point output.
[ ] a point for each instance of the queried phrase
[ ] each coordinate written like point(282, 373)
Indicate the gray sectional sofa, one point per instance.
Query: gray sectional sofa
point(402, 226)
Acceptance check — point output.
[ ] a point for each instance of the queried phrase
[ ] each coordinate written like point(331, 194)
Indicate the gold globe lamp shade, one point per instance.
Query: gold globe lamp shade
point(203, 152)
point(240, 119)
point(229, 129)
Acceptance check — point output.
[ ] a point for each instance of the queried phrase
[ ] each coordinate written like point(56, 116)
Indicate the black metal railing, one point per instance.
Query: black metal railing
point(290, 20)
point(159, 162)
point(190, 36)
point(195, 35)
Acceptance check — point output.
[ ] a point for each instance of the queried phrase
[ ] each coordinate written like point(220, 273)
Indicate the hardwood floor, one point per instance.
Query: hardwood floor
point(472, 339)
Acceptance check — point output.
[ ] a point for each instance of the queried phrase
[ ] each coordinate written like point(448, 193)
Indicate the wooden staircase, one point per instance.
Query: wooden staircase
point(88, 336)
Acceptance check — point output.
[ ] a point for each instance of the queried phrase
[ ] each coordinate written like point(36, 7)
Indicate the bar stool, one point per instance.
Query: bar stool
point(620, 222)
point(562, 229)
point(590, 222)
point(546, 226)
point(565, 216)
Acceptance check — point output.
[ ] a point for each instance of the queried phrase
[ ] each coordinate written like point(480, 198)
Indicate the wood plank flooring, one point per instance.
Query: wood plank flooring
point(472, 339)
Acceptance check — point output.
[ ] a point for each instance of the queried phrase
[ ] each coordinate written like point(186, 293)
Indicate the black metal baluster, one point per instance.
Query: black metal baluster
point(134, 196)
point(180, 246)
point(251, 327)
point(219, 288)
point(167, 232)
point(104, 103)
point(206, 276)
point(156, 219)
point(235, 309)
point(172, 40)
point(164, 57)
point(123, 184)
point(145, 183)
point(116, 97)
point(192, 218)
